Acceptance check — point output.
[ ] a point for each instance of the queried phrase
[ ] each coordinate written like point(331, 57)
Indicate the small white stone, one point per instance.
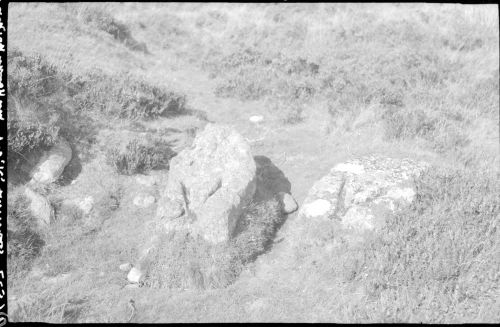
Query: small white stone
point(289, 204)
point(256, 119)
point(135, 275)
point(52, 163)
point(350, 168)
point(144, 200)
point(86, 204)
point(126, 266)
point(317, 208)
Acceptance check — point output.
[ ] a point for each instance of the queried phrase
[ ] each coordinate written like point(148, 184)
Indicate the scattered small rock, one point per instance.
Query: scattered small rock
point(288, 203)
point(144, 200)
point(126, 267)
point(86, 204)
point(135, 275)
point(52, 163)
point(256, 119)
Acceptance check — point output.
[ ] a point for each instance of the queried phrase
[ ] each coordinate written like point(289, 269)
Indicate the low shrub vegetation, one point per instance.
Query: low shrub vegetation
point(139, 156)
point(250, 75)
point(403, 63)
point(401, 123)
point(104, 21)
point(438, 260)
point(35, 106)
point(45, 103)
point(124, 96)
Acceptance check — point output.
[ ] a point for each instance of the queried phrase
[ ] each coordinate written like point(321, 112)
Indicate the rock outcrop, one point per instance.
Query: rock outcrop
point(52, 163)
point(354, 198)
point(209, 184)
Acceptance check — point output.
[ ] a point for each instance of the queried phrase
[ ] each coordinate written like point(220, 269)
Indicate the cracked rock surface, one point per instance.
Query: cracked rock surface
point(354, 198)
point(209, 184)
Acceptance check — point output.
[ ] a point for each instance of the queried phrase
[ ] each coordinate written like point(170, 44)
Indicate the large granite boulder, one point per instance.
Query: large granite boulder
point(353, 199)
point(52, 163)
point(209, 184)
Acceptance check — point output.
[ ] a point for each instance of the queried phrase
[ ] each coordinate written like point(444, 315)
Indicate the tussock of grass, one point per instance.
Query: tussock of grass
point(26, 137)
point(138, 156)
point(404, 123)
point(438, 260)
point(35, 103)
point(444, 131)
point(190, 262)
point(25, 241)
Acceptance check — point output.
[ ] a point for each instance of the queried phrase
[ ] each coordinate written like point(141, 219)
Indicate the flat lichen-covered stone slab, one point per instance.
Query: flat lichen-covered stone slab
point(355, 197)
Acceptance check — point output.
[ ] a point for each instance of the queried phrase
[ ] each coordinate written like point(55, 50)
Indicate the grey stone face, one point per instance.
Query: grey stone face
point(52, 163)
point(355, 198)
point(209, 184)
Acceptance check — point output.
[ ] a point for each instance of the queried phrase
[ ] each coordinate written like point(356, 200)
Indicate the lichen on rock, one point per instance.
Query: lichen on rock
point(354, 197)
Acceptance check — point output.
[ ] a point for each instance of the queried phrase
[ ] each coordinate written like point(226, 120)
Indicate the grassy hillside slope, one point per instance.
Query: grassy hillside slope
point(332, 81)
